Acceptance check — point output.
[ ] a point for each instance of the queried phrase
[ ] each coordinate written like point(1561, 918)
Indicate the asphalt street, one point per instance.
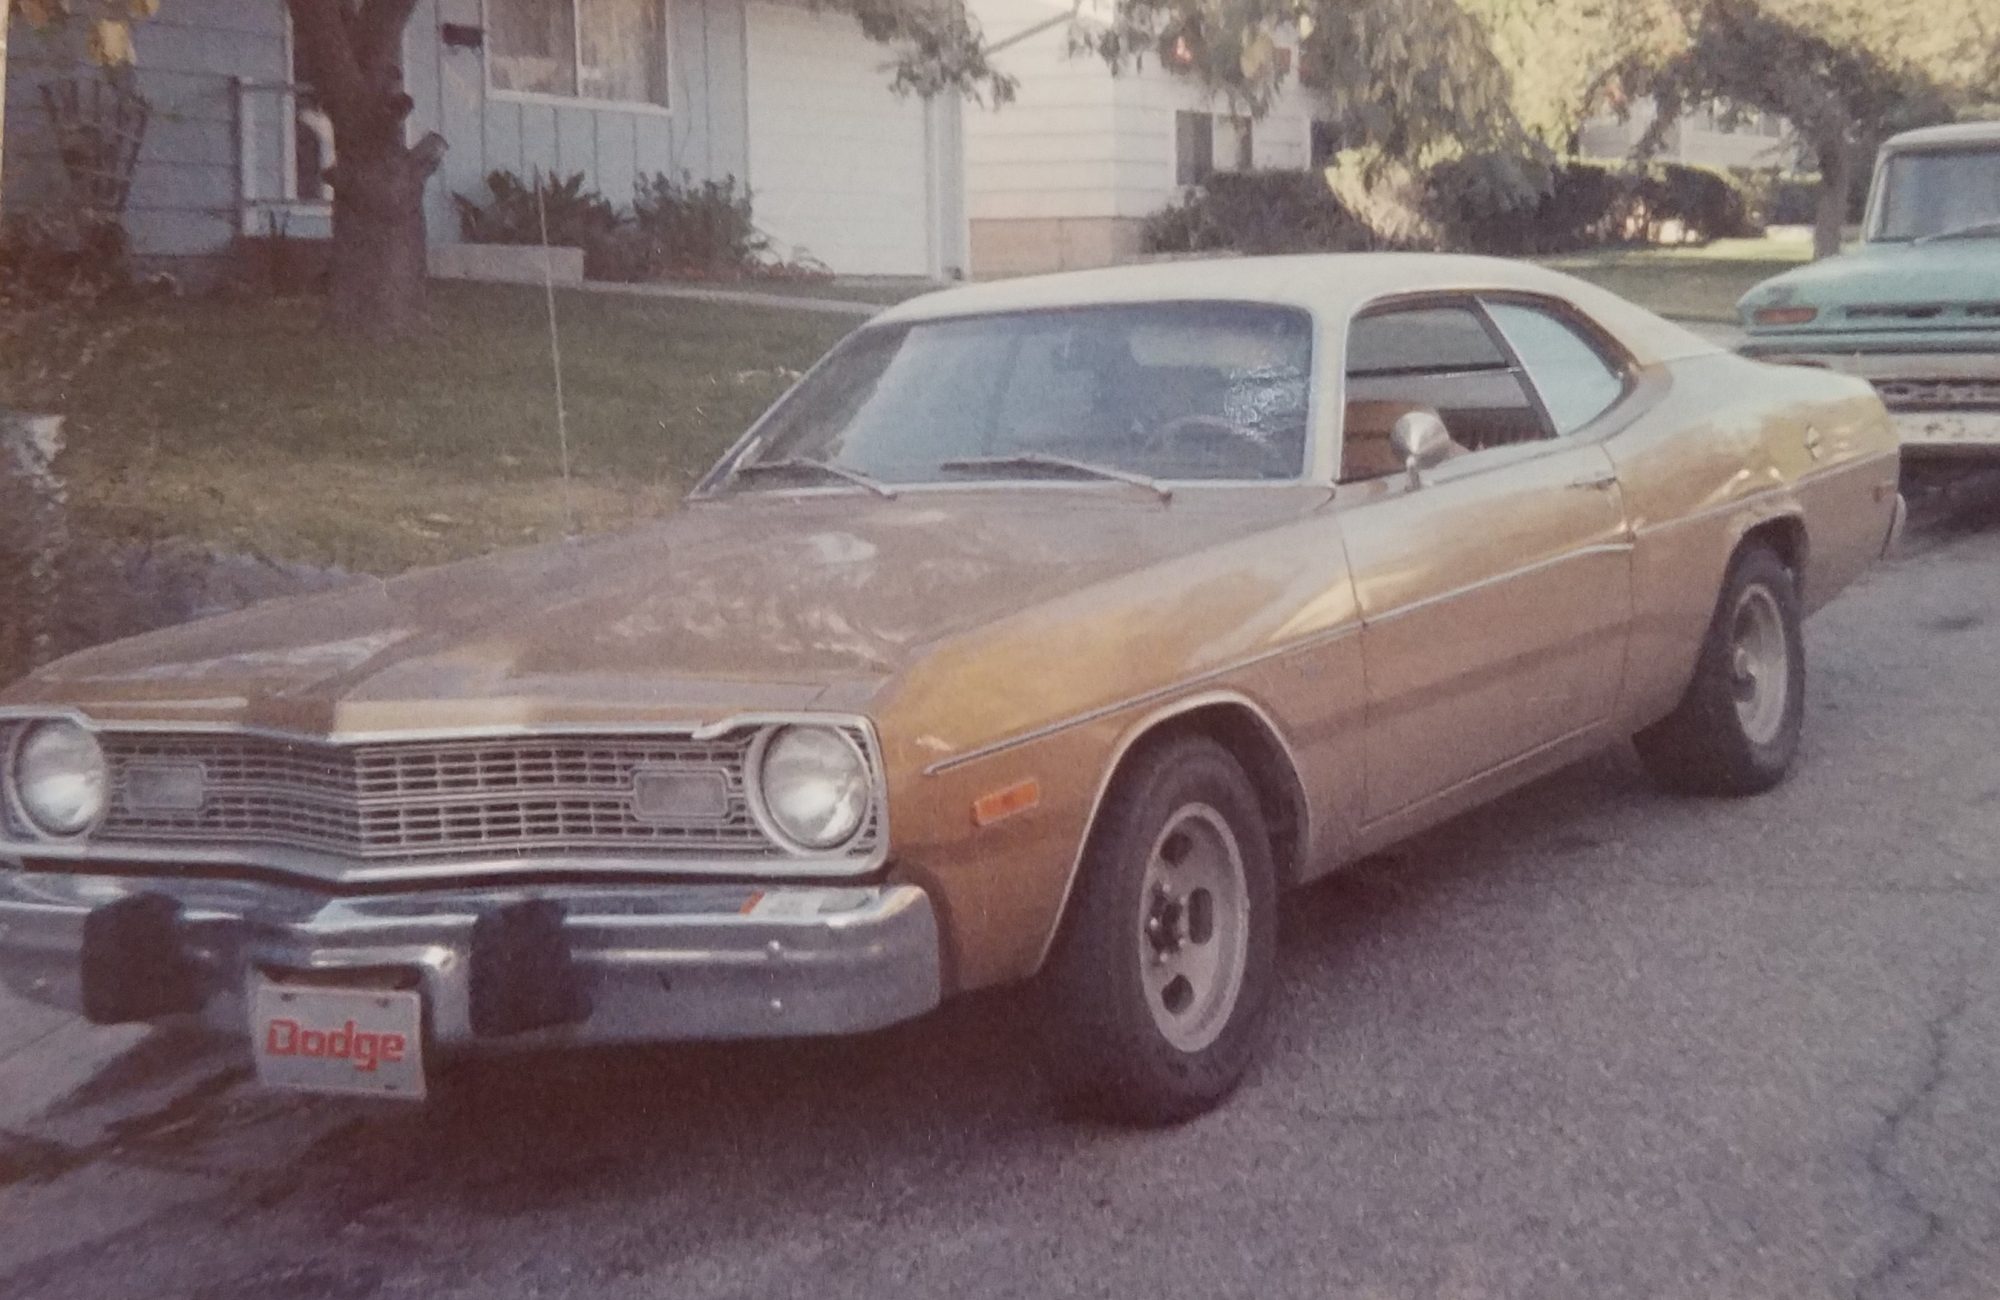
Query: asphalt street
point(1591, 1042)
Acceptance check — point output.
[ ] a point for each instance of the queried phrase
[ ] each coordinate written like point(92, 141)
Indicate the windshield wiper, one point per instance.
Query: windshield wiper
point(792, 464)
point(1041, 460)
point(1987, 227)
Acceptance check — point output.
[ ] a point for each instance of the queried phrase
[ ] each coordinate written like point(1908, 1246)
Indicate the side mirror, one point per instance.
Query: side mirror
point(1420, 439)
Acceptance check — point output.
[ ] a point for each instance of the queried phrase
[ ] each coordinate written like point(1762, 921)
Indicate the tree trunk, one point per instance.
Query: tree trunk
point(353, 58)
point(377, 274)
point(1836, 177)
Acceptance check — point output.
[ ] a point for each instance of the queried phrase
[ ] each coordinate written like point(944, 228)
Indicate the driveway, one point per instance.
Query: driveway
point(1593, 1042)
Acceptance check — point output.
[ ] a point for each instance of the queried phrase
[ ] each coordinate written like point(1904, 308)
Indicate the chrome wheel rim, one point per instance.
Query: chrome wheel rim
point(1194, 927)
point(1760, 665)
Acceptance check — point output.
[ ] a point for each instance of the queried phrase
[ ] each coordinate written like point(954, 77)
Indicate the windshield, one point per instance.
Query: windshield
point(1938, 191)
point(1207, 391)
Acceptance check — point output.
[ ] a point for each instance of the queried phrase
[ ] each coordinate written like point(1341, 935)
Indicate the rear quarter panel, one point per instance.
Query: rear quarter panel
point(1729, 446)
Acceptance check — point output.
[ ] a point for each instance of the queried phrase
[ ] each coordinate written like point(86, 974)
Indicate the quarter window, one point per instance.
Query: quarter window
point(1574, 380)
point(613, 50)
point(1441, 359)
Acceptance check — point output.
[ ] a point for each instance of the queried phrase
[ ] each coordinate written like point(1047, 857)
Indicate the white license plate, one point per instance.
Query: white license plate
point(363, 1041)
point(1948, 428)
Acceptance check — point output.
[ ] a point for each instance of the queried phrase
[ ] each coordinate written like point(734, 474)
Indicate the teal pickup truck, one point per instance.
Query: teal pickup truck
point(1916, 309)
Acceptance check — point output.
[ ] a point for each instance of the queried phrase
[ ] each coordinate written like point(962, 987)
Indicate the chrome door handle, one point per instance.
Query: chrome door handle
point(1605, 480)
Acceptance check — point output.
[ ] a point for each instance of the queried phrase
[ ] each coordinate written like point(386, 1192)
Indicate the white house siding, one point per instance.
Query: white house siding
point(183, 198)
point(1700, 138)
point(700, 132)
point(844, 171)
point(1066, 174)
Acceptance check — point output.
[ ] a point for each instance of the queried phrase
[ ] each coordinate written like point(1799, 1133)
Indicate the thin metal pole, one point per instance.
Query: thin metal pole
point(555, 355)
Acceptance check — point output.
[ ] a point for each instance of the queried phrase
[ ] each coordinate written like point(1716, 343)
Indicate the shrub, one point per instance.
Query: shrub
point(683, 229)
point(695, 230)
point(1793, 201)
point(1707, 203)
point(576, 217)
point(1484, 202)
point(1490, 203)
point(42, 258)
point(1257, 212)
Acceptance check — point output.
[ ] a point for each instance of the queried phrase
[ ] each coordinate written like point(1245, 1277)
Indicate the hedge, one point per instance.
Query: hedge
point(1258, 212)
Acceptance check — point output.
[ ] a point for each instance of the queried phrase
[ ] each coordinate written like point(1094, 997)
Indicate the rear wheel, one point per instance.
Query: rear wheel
point(1736, 730)
point(1154, 997)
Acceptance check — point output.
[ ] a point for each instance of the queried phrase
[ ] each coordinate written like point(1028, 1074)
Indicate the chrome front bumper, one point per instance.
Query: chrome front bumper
point(595, 964)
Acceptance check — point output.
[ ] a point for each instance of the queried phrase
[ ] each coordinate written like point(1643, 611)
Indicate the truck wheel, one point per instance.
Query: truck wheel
point(1155, 994)
point(1736, 730)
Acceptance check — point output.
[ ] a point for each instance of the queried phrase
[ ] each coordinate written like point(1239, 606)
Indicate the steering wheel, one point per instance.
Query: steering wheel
point(1176, 429)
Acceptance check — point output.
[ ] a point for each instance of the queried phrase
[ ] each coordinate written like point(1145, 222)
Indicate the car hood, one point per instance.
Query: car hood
point(737, 605)
point(1943, 284)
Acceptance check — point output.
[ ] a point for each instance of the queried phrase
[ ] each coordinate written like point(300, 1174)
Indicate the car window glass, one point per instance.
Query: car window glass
point(1440, 359)
point(1576, 383)
point(1426, 338)
point(1177, 390)
point(1044, 395)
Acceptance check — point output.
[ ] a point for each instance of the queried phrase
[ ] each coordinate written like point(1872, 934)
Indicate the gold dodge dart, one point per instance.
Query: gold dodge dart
point(1047, 632)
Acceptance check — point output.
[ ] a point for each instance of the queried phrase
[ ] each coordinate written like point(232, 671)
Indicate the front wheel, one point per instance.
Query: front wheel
point(1154, 996)
point(1736, 730)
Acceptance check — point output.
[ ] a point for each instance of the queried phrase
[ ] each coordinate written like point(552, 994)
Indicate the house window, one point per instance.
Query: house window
point(1194, 147)
point(612, 50)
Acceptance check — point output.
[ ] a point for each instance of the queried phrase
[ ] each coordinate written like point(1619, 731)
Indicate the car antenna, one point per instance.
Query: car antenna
point(555, 357)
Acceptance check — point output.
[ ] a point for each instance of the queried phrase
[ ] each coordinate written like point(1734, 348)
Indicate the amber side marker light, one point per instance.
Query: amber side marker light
point(1783, 315)
point(1016, 798)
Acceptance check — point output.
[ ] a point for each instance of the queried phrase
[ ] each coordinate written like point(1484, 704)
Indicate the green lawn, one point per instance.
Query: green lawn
point(1691, 283)
point(238, 422)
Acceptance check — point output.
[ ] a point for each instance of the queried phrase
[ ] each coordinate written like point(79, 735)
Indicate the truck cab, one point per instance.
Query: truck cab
point(1915, 309)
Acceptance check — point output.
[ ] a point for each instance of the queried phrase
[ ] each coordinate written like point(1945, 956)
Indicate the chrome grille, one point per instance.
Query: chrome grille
point(403, 800)
point(1924, 311)
point(1939, 394)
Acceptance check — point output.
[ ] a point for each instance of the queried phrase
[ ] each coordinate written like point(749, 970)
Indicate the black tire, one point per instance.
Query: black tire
point(1706, 746)
point(1106, 1048)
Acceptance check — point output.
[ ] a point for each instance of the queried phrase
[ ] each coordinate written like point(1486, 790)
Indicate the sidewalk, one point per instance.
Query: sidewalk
point(737, 297)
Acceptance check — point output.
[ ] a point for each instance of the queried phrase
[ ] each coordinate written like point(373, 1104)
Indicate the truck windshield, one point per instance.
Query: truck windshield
point(1933, 192)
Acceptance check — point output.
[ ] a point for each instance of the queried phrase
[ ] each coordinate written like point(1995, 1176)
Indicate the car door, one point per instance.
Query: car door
point(1495, 595)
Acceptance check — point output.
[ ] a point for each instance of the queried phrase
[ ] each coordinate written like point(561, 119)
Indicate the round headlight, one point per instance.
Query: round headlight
point(813, 785)
point(60, 778)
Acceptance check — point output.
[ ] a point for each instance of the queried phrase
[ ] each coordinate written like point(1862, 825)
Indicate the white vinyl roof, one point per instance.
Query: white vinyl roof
point(1931, 137)
point(1331, 285)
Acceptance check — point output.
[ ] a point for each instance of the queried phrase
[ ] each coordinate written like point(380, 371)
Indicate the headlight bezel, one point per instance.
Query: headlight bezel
point(20, 808)
point(754, 789)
